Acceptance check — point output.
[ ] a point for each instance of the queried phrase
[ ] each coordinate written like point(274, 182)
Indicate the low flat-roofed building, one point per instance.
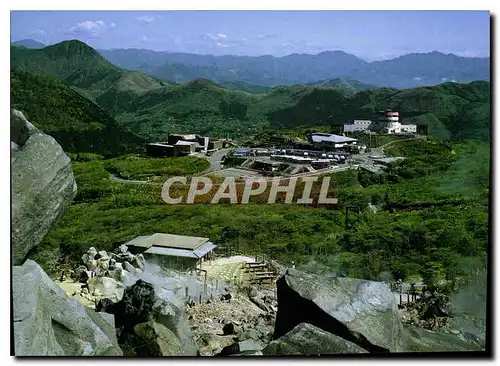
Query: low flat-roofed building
point(174, 137)
point(242, 151)
point(159, 149)
point(215, 144)
point(186, 147)
point(326, 140)
point(178, 252)
point(358, 125)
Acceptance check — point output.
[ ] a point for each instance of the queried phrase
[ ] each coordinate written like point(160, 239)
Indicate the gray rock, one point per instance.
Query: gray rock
point(174, 319)
point(360, 311)
point(249, 345)
point(415, 339)
point(110, 318)
point(306, 339)
point(128, 267)
point(123, 248)
point(48, 323)
point(157, 340)
point(211, 344)
point(43, 185)
point(92, 252)
point(103, 256)
point(118, 274)
point(20, 128)
point(107, 287)
point(140, 261)
point(103, 264)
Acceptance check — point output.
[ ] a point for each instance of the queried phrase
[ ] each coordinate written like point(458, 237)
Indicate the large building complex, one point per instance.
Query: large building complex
point(387, 122)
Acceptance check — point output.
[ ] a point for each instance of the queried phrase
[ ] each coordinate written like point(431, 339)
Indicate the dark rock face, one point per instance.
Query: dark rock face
point(43, 185)
point(140, 306)
point(306, 339)
point(48, 323)
point(134, 308)
point(229, 329)
point(362, 312)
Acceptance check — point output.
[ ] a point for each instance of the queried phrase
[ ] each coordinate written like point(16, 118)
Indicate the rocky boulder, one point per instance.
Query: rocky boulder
point(157, 340)
point(48, 323)
point(173, 318)
point(359, 311)
point(140, 305)
point(43, 185)
point(308, 340)
point(106, 287)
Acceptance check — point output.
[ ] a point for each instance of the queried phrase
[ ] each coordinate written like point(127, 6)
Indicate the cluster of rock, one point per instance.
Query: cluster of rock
point(431, 311)
point(243, 326)
point(318, 315)
point(149, 326)
point(102, 274)
point(114, 265)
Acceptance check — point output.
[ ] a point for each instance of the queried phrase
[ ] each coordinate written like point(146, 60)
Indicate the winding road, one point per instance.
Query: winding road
point(216, 163)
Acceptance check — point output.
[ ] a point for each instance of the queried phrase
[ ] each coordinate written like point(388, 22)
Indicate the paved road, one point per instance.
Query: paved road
point(216, 159)
point(128, 181)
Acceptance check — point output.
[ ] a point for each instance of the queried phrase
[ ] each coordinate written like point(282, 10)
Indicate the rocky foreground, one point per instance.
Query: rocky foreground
point(113, 305)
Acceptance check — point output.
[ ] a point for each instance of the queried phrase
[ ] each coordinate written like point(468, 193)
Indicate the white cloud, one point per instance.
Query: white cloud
point(223, 44)
point(112, 25)
point(90, 27)
point(444, 79)
point(417, 78)
point(144, 38)
point(217, 37)
point(145, 19)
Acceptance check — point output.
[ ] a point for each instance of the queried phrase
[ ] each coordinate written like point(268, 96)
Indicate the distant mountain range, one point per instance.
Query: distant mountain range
point(28, 43)
point(412, 70)
point(255, 73)
point(71, 90)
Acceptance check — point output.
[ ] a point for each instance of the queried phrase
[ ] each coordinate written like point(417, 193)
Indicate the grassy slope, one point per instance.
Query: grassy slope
point(452, 237)
point(81, 66)
point(76, 122)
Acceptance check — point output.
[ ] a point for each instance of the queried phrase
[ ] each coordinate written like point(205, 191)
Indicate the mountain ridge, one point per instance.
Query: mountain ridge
point(410, 70)
point(153, 108)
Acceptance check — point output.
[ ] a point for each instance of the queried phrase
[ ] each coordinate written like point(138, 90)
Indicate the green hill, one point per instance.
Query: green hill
point(346, 85)
point(76, 122)
point(450, 110)
point(153, 108)
point(82, 67)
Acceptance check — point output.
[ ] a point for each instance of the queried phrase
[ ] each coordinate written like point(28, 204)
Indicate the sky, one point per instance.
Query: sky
point(370, 35)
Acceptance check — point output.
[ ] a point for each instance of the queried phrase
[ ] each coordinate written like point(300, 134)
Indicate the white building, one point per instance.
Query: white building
point(358, 125)
point(326, 140)
point(388, 122)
